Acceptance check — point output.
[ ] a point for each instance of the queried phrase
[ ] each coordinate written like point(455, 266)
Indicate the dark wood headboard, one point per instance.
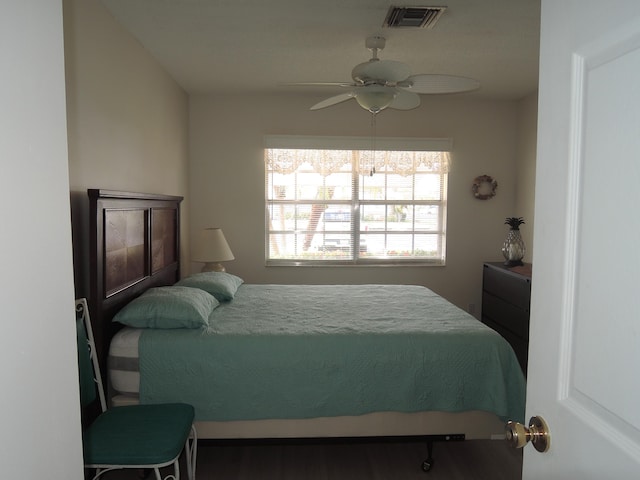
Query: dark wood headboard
point(134, 245)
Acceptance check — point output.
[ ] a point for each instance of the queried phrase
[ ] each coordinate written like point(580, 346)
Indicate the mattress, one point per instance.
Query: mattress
point(123, 363)
point(279, 351)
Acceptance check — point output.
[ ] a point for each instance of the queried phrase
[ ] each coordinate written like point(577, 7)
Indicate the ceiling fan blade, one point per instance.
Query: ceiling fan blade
point(319, 84)
point(386, 70)
point(333, 100)
point(405, 100)
point(434, 84)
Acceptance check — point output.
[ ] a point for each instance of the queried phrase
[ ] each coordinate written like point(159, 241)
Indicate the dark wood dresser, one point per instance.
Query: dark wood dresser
point(506, 295)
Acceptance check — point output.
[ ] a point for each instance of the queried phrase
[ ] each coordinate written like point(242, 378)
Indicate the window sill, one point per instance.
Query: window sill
point(336, 263)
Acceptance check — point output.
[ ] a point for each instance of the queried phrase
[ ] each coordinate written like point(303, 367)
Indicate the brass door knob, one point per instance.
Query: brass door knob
point(517, 435)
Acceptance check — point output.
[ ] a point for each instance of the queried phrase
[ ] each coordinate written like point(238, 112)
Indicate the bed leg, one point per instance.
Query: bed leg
point(428, 463)
point(453, 437)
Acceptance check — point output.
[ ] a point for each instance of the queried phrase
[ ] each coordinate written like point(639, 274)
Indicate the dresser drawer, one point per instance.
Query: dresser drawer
point(513, 288)
point(505, 314)
point(519, 346)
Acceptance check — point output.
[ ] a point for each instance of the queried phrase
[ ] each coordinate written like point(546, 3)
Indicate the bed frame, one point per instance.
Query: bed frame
point(135, 245)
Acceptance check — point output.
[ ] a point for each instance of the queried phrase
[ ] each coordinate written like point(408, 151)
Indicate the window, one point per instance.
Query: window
point(337, 202)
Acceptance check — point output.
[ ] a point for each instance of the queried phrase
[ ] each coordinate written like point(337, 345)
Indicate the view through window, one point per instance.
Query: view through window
point(356, 206)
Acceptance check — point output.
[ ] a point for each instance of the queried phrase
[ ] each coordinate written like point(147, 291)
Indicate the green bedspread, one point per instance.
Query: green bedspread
point(286, 351)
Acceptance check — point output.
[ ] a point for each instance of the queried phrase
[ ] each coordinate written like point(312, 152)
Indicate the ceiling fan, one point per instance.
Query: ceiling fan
point(378, 84)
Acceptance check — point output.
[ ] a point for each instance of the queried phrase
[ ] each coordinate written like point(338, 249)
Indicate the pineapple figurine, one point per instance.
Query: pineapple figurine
point(513, 248)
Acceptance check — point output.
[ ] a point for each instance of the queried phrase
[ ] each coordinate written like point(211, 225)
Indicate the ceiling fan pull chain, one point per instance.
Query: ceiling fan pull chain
point(372, 169)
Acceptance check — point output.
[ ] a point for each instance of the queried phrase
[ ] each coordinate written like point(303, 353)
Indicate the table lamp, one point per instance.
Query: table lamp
point(210, 247)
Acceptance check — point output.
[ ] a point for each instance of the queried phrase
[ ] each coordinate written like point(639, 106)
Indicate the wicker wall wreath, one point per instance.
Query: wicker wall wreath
point(484, 187)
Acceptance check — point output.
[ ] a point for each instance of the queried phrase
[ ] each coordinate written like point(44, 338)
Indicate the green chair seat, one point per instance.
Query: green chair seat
point(138, 435)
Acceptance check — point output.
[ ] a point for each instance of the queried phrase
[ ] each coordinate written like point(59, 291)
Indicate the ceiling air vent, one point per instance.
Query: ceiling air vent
point(419, 17)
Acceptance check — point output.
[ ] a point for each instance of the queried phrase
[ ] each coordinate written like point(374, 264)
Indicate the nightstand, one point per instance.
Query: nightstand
point(506, 297)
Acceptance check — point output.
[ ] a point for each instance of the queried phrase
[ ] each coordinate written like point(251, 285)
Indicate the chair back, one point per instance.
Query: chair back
point(88, 367)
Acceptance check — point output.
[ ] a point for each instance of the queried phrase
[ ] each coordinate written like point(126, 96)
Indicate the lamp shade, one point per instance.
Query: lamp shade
point(210, 247)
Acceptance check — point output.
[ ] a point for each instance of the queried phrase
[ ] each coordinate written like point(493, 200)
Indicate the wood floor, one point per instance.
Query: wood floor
point(471, 459)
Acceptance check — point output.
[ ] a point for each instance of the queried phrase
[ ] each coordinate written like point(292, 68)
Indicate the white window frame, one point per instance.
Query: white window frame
point(362, 144)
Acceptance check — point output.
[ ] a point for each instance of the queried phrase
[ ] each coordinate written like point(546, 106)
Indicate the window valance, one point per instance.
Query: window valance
point(327, 155)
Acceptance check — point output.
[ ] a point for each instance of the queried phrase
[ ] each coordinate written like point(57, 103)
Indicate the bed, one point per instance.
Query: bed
point(291, 361)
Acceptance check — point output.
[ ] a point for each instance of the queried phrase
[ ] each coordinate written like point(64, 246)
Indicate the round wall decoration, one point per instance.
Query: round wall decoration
point(484, 187)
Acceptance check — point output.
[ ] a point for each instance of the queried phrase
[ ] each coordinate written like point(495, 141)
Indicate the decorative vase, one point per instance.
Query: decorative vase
point(513, 247)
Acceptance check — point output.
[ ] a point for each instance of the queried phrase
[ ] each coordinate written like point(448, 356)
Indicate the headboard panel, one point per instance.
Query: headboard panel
point(135, 245)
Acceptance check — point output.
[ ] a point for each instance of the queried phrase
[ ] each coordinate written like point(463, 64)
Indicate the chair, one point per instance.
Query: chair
point(143, 437)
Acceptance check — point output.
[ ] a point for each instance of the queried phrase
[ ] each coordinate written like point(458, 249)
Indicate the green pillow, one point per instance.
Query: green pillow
point(168, 307)
point(221, 285)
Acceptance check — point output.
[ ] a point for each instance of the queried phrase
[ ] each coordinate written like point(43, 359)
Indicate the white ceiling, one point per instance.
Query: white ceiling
point(225, 46)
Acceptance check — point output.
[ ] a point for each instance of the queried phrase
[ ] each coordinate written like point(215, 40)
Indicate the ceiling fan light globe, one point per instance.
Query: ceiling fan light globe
point(375, 98)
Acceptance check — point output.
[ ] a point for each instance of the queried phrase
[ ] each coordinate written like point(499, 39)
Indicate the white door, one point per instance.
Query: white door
point(584, 367)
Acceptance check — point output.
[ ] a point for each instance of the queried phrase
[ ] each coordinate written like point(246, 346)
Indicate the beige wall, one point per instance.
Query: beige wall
point(131, 127)
point(227, 180)
point(526, 168)
point(127, 120)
